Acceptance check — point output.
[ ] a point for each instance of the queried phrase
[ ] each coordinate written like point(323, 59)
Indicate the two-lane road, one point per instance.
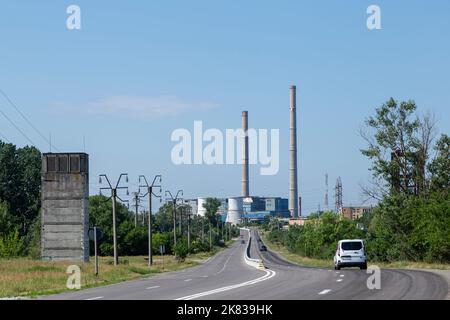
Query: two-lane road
point(226, 276)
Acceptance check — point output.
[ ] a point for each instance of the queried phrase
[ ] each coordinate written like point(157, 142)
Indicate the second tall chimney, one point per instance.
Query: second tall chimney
point(244, 181)
point(293, 191)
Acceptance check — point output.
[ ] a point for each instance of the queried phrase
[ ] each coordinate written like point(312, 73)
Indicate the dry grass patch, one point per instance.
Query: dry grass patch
point(26, 277)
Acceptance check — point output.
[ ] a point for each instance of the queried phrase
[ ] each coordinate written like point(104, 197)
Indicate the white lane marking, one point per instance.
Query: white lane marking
point(226, 262)
point(269, 274)
point(341, 275)
point(325, 291)
point(95, 298)
point(339, 280)
point(187, 280)
point(154, 287)
point(204, 276)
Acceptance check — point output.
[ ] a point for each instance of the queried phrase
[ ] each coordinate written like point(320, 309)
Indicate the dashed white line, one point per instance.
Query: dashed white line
point(339, 280)
point(325, 291)
point(154, 287)
point(187, 280)
point(341, 275)
point(95, 298)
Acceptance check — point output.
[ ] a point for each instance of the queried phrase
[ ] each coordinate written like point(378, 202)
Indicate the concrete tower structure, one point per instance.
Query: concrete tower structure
point(293, 191)
point(65, 214)
point(245, 181)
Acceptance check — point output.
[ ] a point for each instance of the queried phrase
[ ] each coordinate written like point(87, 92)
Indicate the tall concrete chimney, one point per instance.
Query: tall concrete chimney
point(245, 188)
point(293, 191)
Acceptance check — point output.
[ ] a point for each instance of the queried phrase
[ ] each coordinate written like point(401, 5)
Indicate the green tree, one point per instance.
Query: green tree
point(440, 166)
point(211, 206)
point(20, 182)
point(398, 146)
point(100, 215)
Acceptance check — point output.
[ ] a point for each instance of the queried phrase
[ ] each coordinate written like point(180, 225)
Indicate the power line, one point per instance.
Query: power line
point(26, 119)
point(18, 129)
point(4, 138)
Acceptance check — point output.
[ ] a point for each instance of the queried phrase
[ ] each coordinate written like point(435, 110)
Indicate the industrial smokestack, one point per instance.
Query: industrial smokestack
point(245, 188)
point(293, 191)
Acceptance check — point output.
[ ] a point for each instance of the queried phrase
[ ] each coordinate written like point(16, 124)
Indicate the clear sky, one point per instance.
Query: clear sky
point(137, 70)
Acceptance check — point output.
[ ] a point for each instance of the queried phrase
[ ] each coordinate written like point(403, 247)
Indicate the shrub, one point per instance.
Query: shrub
point(11, 245)
point(181, 250)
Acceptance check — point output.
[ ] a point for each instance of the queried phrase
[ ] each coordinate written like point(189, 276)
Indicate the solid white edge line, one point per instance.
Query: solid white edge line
point(325, 291)
point(95, 298)
point(269, 274)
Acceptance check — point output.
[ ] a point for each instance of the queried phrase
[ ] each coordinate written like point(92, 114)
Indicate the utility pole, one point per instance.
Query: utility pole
point(326, 192)
point(210, 236)
point(222, 231)
point(203, 229)
point(189, 229)
point(174, 202)
point(114, 198)
point(338, 194)
point(150, 193)
point(136, 207)
point(180, 222)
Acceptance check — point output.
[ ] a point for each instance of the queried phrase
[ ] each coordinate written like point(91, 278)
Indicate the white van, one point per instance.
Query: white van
point(350, 253)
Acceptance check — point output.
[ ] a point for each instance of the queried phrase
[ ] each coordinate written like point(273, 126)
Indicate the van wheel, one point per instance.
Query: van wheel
point(364, 266)
point(338, 267)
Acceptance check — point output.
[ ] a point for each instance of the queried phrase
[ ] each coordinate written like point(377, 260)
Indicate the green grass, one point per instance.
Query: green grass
point(323, 263)
point(25, 277)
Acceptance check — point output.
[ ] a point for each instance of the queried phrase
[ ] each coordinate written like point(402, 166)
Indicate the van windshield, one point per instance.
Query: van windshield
point(351, 245)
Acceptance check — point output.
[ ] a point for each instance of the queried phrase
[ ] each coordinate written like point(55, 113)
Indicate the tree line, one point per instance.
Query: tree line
point(20, 216)
point(410, 168)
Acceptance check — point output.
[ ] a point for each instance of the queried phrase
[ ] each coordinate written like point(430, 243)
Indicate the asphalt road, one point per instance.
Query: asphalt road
point(226, 276)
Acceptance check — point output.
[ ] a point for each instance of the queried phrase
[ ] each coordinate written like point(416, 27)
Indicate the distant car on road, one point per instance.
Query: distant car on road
point(263, 248)
point(350, 253)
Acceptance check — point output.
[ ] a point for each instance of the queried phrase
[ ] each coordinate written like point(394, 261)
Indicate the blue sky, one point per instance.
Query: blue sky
point(138, 70)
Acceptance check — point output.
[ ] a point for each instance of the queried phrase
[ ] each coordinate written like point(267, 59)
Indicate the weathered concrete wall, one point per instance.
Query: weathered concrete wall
point(65, 214)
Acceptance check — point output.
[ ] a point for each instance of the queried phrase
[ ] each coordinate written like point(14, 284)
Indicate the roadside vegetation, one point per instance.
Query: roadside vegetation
point(26, 277)
point(22, 272)
point(410, 226)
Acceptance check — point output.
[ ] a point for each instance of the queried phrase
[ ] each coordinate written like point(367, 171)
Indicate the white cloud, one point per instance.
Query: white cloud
point(144, 108)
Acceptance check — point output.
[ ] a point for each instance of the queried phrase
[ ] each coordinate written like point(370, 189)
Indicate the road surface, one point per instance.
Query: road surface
point(226, 276)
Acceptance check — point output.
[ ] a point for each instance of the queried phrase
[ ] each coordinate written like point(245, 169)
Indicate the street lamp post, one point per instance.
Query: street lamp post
point(150, 193)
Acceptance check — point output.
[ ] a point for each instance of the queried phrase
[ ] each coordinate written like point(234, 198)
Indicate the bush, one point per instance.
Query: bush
point(11, 245)
point(181, 250)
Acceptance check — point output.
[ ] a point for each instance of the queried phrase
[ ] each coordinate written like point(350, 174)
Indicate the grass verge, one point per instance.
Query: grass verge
point(25, 277)
point(321, 263)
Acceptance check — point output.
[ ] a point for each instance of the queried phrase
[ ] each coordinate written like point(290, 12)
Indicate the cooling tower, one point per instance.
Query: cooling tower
point(235, 210)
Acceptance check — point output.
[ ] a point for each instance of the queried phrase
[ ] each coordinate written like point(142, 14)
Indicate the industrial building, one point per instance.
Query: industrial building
point(354, 212)
point(253, 208)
